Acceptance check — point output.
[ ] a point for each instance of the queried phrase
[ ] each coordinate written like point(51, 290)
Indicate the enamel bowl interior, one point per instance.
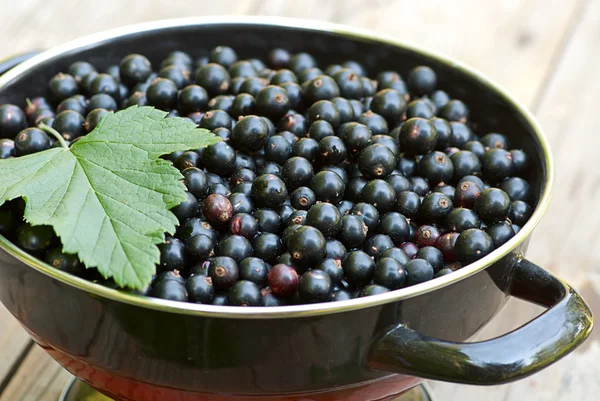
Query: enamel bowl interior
point(491, 109)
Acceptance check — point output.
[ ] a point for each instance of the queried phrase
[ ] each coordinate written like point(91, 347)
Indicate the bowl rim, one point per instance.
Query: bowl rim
point(294, 310)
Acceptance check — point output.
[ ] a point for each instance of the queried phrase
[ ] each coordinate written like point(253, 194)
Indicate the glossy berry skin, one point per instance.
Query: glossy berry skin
point(390, 104)
point(417, 136)
point(395, 253)
point(443, 272)
point(283, 280)
point(277, 149)
point(444, 132)
point(389, 273)
point(306, 148)
point(220, 299)
point(314, 286)
point(334, 249)
point(327, 186)
point(420, 108)
point(369, 214)
point(188, 159)
point(516, 188)
point(466, 193)
point(320, 129)
point(492, 205)
point(520, 162)
point(62, 86)
point(380, 194)
point(333, 268)
point(500, 233)
point(245, 293)
point(223, 55)
point(306, 245)
point(408, 203)
point(461, 219)
point(214, 78)
point(372, 289)
point(418, 271)
point(324, 110)
point(104, 83)
point(268, 220)
point(395, 226)
point(250, 133)
point(376, 123)
point(436, 167)
point(219, 158)
point(162, 93)
point(199, 247)
point(243, 224)
point(268, 191)
point(497, 165)
point(278, 58)
point(454, 110)
point(446, 245)
point(494, 141)
point(297, 172)
point(253, 269)
point(93, 118)
point(272, 101)
point(472, 245)
point(332, 150)
point(186, 209)
point(359, 268)
point(241, 203)
point(377, 244)
point(31, 140)
point(134, 69)
point(422, 80)
point(267, 246)
point(200, 289)
point(519, 213)
point(427, 235)
point(465, 163)
point(192, 98)
point(217, 209)
point(410, 249)
point(65, 262)
point(170, 286)
point(195, 226)
point(7, 148)
point(303, 198)
point(223, 271)
point(376, 161)
point(173, 255)
point(12, 120)
point(69, 123)
point(79, 104)
point(435, 207)
point(432, 255)
point(326, 218)
point(235, 246)
point(322, 87)
point(355, 136)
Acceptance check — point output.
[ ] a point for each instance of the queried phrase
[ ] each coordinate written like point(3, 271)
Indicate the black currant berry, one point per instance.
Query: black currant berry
point(389, 273)
point(472, 245)
point(418, 136)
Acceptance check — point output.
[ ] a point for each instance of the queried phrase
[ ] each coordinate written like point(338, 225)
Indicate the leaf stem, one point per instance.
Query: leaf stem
point(55, 134)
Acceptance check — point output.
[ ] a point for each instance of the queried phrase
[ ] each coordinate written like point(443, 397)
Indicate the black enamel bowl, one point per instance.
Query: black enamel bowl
point(138, 348)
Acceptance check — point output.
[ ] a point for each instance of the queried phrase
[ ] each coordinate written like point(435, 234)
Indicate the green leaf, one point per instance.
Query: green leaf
point(108, 196)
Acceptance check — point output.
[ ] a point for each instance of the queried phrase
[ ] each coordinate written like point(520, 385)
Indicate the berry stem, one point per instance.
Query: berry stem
point(55, 134)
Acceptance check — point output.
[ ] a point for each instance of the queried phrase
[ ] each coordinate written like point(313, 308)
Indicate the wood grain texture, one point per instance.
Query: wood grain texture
point(518, 43)
point(39, 378)
point(13, 342)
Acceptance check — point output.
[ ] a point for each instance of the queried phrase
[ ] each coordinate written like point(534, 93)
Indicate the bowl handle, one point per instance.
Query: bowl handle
point(13, 61)
point(520, 353)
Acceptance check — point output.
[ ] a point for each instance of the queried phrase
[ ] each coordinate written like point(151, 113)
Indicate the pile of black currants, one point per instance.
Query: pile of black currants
point(328, 185)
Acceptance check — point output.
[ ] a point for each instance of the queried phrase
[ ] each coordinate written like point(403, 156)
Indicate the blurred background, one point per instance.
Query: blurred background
point(545, 52)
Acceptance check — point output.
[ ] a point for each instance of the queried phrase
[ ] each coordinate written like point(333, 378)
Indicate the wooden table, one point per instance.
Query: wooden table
point(543, 51)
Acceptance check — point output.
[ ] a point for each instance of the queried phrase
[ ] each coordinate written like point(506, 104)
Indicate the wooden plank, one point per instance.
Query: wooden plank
point(566, 240)
point(38, 379)
point(514, 42)
point(13, 342)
